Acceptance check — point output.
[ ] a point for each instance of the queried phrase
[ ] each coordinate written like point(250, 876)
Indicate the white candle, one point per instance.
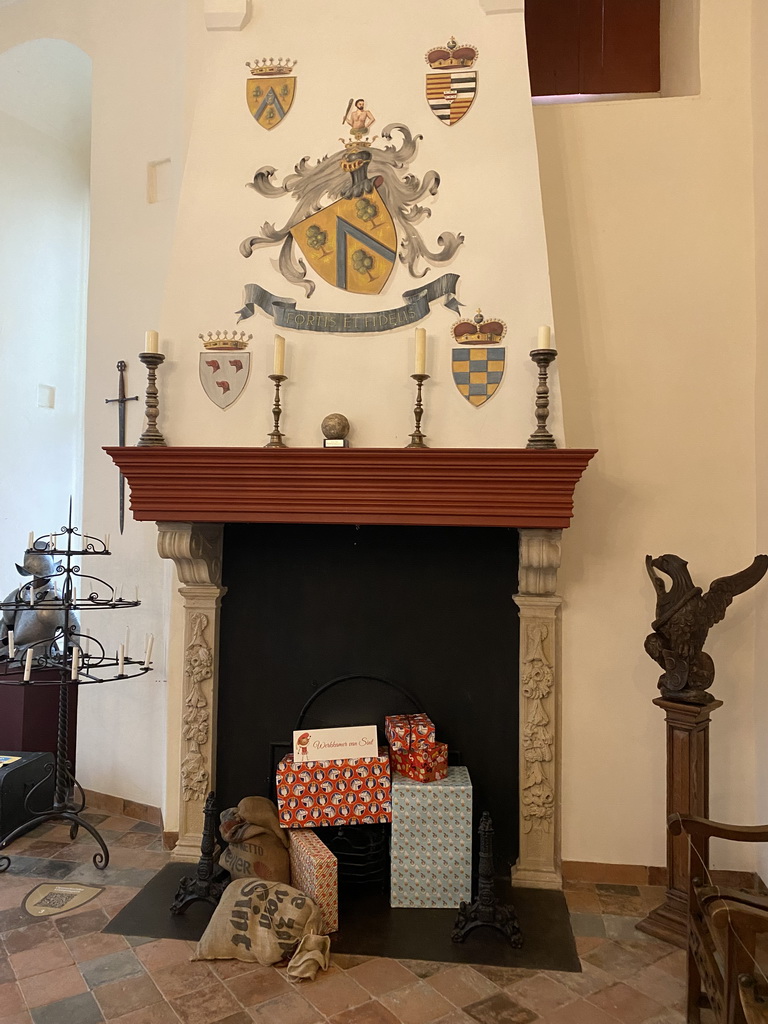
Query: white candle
point(136, 594)
point(75, 663)
point(11, 645)
point(421, 350)
point(150, 341)
point(86, 640)
point(52, 540)
point(28, 665)
point(31, 540)
point(148, 651)
point(121, 660)
point(106, 542)
point(120, 595)
point(74, 595)
point(545, 339)
point(31, 595)
point(127, 640)
point(279, 362)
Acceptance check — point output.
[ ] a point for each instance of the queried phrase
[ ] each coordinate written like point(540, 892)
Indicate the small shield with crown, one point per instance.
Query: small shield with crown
point(451, 85)
point(224, 366)
point(270, 90)
point(478, 364)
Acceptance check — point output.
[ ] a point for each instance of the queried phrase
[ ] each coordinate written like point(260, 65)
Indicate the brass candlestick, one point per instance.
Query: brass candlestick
point(417, 438)
point(275, 437)
point(151, 438)
point(541, 437)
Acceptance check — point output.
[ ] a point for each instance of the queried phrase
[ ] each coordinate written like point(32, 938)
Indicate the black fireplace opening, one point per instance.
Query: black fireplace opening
point(428, 608)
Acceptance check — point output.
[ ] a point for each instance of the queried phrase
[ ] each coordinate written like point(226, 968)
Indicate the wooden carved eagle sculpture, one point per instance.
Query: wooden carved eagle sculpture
point(684, 616)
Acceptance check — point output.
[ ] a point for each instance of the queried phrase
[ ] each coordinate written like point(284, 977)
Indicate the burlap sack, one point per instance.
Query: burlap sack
point(262, 857)
point(260, 922)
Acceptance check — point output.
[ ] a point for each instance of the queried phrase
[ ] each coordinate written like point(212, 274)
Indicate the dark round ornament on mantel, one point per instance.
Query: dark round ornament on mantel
point(335, 426)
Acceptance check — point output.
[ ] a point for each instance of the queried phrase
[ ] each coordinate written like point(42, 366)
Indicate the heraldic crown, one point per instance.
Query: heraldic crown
point(270, 66)
point(452, 55)
point(225, 343)
point(479, 331)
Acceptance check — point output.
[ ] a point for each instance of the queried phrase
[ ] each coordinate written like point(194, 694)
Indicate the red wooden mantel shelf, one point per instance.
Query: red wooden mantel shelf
point(437, 486)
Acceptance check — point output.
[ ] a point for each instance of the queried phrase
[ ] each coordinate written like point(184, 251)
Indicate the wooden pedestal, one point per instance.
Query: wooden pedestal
point(687, 793)
point(29, 718)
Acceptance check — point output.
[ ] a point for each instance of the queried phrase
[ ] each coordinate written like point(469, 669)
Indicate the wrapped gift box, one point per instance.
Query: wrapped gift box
point(314, 871)
point(432, 841)
point(413, 749)
point(344, 791)
point(424, 762)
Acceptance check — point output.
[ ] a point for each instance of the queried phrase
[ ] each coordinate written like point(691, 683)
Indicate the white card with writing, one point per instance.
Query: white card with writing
point(326, 744)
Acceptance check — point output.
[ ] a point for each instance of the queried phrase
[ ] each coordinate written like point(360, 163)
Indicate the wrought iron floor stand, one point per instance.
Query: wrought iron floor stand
point(487, 910)
point(210, 880)
point(66, 805)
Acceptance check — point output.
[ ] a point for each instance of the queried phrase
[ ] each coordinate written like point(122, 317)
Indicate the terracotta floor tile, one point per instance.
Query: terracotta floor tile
point(186, 976)
point(117, 823)
point(588, 924)
point(649, 950)
point(367, 1013)
point(162, 952)
point(347, 960)
point(503, 976)
point(674, 964)
point(241, 1017)
point(615, 960)
point(13, 891)
point(122, 857)
point(626, 1003)
point(258, 987)
point(586, 943)
point(572, 885)
point(85, 922)
point(417, 1004)
point(17, 1018)
point(621, 928)
point(27, 938)
point(11, 999)
point(88, 947)
point(125, 995)
point(381, 975)
point(627, 906)
point(79, 1009)
point(659, 985)
point(206, 1006)
point(462, 985)
point(582, 901)
point(288, 1009)
point(334, 991)
point(580, 1012)
point(52, 986)
point(500, 1009)
point(541, 994)
point(136, 840)
point(157, 1013)
point(226, 969)
point(590, 979)
point(6, 971)
point(423, 968)
point(46, 957)
point(456, 1017)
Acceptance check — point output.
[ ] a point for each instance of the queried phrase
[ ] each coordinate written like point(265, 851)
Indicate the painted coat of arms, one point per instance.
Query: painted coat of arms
point(224, 367)
point(271, 90)
point(451, 87)
point(353, 241)
point(478, 367)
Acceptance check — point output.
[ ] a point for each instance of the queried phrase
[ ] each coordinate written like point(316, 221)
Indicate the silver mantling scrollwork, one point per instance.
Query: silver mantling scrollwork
point(198, 668)
point(537, 794)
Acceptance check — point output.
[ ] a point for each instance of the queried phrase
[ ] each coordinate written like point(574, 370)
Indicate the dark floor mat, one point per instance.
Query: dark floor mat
point(370, 927)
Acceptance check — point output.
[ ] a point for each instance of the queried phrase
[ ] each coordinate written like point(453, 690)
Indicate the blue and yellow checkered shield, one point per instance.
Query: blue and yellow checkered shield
point(477, 372)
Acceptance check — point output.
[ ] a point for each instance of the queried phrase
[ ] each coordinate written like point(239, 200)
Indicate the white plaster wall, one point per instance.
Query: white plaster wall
point(649, 213)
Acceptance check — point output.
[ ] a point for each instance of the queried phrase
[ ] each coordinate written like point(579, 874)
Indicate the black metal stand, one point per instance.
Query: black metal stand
point(486, 910)
point(210, 879)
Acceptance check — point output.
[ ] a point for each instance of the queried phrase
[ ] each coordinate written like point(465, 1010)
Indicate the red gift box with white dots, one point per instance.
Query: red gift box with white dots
point(344, 791)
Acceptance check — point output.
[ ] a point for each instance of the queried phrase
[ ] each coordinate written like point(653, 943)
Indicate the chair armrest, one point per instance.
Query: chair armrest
point(704, 827)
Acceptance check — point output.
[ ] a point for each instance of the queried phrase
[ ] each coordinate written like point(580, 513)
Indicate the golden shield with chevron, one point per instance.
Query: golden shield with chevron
point(351, 244)
point(477, 372)
point(452, 86)
point(270, 92)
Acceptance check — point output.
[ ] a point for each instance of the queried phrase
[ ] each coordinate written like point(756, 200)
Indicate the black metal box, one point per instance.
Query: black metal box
point(17, 778)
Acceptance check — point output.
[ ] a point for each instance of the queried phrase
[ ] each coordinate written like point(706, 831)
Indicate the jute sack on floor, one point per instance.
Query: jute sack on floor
point(260, 922)
point(258, 847)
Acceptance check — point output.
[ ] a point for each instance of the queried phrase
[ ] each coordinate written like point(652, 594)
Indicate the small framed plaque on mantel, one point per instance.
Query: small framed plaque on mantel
point(327, 744)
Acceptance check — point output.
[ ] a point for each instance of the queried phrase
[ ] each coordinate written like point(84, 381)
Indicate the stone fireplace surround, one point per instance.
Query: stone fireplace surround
point(192, 492)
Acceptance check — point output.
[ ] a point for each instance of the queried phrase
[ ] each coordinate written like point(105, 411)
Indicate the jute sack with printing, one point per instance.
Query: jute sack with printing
point(258, 847)
point(260, 922)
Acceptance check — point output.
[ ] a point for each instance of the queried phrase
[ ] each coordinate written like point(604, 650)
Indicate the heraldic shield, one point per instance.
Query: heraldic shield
point(51, 898)
point(477, 372)
point(351, 244)
point(450, 94)
point(270, 99)
point(224, 374)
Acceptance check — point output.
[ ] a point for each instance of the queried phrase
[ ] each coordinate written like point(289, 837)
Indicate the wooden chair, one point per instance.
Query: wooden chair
point(723, 926)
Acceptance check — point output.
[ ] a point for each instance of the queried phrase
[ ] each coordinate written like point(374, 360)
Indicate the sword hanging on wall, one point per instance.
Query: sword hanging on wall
point(121, 400)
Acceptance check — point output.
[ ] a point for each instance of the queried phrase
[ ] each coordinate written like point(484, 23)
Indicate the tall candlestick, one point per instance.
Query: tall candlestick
point(545, 337)
point(75, 663)
point(106, 542)
point(127, 641)
point(148, 651)
point(121, 660)
point(421, 350)
point(28, 665)
point(11, 644)
point(151, 339)
point(31, 539)
point(279, 362)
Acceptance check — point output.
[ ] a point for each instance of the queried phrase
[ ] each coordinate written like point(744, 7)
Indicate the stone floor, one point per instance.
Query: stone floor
point(61, 970)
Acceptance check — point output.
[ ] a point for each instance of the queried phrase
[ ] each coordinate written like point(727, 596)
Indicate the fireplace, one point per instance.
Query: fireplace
point(193, 492)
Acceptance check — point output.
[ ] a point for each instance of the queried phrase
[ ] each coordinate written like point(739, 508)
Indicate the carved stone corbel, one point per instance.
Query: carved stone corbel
point(195, 549)
point(538, 864)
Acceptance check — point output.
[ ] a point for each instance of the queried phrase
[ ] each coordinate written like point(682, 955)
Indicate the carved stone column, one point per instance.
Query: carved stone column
point(538, 864)
point(195, 548)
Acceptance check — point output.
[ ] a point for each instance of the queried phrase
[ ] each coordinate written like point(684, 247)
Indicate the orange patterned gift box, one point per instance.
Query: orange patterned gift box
point(314, 871)
point(344, 791)
point(403, 730)
point(424, 762)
